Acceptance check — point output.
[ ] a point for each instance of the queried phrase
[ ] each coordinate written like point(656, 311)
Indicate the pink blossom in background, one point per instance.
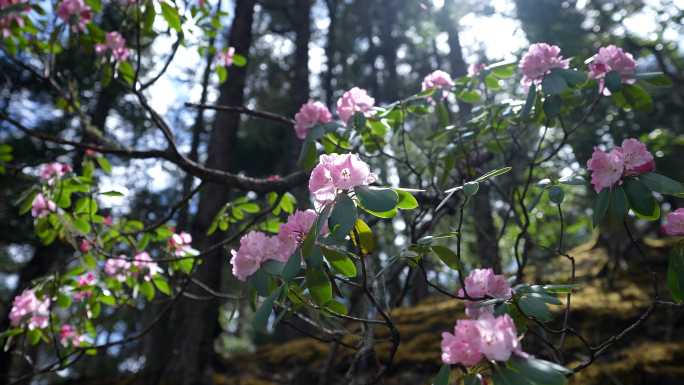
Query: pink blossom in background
point(180, 244)
point(607, 168)
point(293, 233)
point(28, 310)
point(68, 8)
point(352, 101)
point(117, 45)
point(473, 69)
point(42, 206)
point(675, 223)
point(225, 56)
point(274, 177)
point(108, 221)
point(54, 169)
point(117, 268)
point(202, 3)
point(144, 261)
point(495, 338)
point(6, 24)
point(255, 248)
point(8, 3)
point(85, 246)
point(481, 282)
point(538, 61)
point(438, 79)
point(338, 172)
point(635, 155)
point(88, 280)
point(69, 336)
point(309, 115)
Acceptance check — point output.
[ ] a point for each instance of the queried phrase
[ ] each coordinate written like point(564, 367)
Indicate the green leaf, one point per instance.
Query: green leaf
point(552, 106)
point(447, 256)
point(492, 83)
point(504, 376)
point(471, 188)
point(601, 205)
point(660, 81)
point(492, 174)
point(536, 200)
point(534, 307)
point(537, 371)
point(63, 301)
point(519, 320)
point(343, 217)
point(443, 375)
point(261, 281)
point(675, 276)
point(315, 260)
point(319, 286)
point(613, 81)
point(377, 199)
point(310, 240)
point(126, 70)
point(559, 288)
point(273, 267)
point(529, 103)
point(239, 60)
point(544, 298)
point(553, 84)
point(171, 16)
point(618, 202)
point(556, 194)
point(264, 311)
point(366, 239)
point(104, 163)
point(222, 74)
point(161, 284)
point(81, 225)
point(633, 96)
point(572, 77)
point(5, 149)
point(467, 96)
point(339, 262)
point(292, 266)
point(661, 184)
point(335, 306)
point(444, 201)
point(146, 289)
point(572, 180)
point(487, 303)
point(112, 194)
point(406, 200)
point(639, 197)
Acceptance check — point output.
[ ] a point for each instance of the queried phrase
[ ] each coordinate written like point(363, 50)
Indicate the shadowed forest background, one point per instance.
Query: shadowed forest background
point(300, 50)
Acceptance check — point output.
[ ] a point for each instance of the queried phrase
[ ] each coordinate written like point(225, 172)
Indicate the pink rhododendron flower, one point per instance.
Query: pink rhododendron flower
point(352, 101)
point(42, 206)
point(144, 261)
point(635, 156)
point(438, 79)
point(54, 169)
point(117, 45)
point(473, 69)
point(675, 223)
point(88, 280)
point(255, 248)
point(108, 221)
point(6, 24)
point(293, 233)
point(85, 245)
point(538, 61)
point(180, 244)
point(225, 56)
point(607, 168)
point(69, 336)
point(338, 172)
point(309, 115)
point(117, 268)
point(495, 338)
point(609, 59)
point(68, 8)
point(481, 282)
point(28, 310)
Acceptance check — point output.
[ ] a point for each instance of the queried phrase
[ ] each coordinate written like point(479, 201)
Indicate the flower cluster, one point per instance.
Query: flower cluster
point(69, 336)
point(180, 244)
point(87, 280)
point(27, 310)
point(675, 223)
point(309, 115)
point(54, 169)
point(538, 61)
point(255, 249)
point(338, 172)
point(481, 282)
point(293, 233)
point(225, 56)
point(42, 206)
point(473, 69)
point(438, 79)
point(75, 11)
point(609, 59)
point(352, 101)
point(120, 268)
point(495, 338)
point(117, 45)
point(630, 159)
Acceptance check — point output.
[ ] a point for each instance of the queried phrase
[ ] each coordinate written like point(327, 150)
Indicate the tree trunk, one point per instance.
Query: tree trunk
point(330, 49)
point(300, 83)
point(196, 322)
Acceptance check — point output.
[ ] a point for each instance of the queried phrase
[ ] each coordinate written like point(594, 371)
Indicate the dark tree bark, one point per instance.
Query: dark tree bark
point(487, 246)
point(300, 82)
point(195, 324)
point(330, 50)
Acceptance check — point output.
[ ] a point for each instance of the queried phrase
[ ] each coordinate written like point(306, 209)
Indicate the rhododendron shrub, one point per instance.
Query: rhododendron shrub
point(300, 261)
